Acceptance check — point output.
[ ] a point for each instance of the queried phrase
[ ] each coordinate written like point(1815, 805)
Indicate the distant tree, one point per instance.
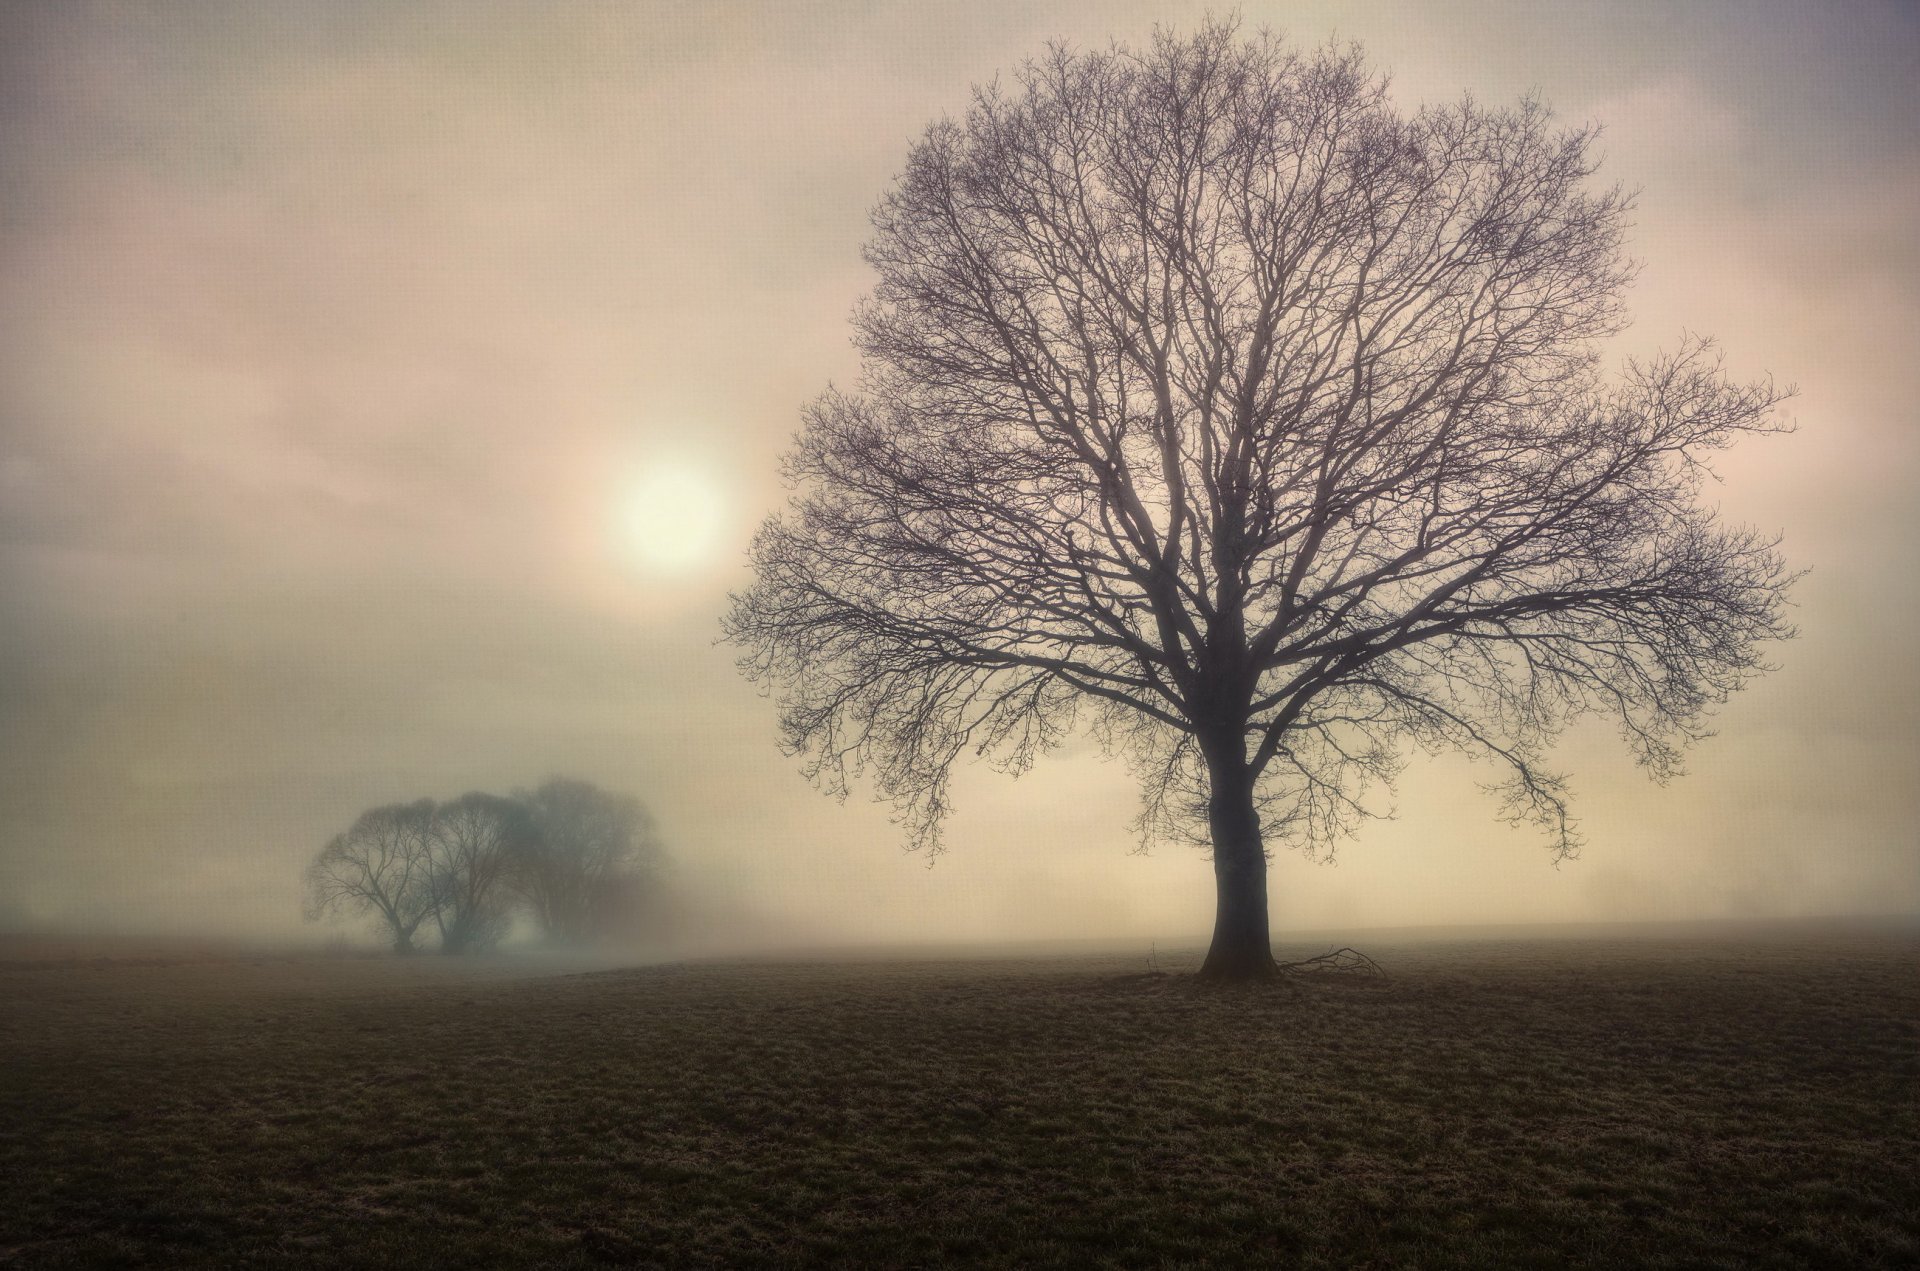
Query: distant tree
point(1207, 393)
point(586, 845)
point(380, 866)
point(473, 844)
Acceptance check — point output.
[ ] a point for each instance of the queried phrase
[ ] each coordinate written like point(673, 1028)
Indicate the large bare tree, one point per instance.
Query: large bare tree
point(1212, 402)
point(379, 866)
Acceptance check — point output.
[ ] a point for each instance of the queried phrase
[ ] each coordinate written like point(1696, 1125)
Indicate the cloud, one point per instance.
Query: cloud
point(335, 336)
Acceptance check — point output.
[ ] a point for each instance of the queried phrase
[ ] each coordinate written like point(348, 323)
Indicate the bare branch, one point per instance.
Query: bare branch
point(1205, 391)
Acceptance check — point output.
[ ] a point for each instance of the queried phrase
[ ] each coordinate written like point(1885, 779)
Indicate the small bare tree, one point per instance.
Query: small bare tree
point(473, 845)
point(1207, 392)
point(583, 838)
point(378, 866)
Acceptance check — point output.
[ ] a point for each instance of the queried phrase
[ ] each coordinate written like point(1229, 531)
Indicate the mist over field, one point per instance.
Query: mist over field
point(1659, 1100)
point(532, 536)
point(348, 351)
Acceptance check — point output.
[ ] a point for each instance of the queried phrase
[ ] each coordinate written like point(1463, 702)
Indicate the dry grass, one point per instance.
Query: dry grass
point(1676, 1101)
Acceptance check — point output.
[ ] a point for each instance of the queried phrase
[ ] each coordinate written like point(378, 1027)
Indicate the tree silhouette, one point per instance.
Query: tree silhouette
point(583, 838)
point(378, 866)
point(1213, 403)
point(473, 846)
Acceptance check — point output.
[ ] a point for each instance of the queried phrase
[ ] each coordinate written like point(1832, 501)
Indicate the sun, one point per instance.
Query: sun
point(672, 517)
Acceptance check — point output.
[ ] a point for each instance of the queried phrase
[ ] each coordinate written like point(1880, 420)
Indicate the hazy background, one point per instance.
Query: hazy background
point(338, 344)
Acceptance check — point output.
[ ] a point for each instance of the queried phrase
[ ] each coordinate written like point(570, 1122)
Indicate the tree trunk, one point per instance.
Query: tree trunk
point(1241, 949)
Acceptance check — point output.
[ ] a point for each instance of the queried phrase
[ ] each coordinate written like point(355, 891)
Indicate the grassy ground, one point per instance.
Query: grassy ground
point(1737, 1102)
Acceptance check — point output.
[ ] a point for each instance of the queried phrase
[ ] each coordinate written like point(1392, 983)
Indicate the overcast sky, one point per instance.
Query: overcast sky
point(345, 346)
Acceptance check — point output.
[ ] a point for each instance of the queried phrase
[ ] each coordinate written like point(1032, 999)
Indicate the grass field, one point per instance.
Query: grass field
point(1745, 1100)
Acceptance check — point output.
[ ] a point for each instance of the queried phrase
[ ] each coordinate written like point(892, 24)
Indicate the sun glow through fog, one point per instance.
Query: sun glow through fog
point(671, 519)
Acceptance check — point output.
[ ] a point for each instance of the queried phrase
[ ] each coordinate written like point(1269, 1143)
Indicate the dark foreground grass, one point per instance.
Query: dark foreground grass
point(1741, 1102)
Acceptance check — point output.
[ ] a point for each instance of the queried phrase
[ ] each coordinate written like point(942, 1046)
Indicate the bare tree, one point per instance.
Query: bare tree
point(378, 866)
point(474, 843)
point(583, 838)
point(1208, 394)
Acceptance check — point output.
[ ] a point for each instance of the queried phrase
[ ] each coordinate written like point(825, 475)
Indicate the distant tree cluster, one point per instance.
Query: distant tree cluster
point(571, 856)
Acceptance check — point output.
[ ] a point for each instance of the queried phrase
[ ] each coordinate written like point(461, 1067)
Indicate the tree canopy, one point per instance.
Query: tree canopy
point(576, 858)
point(379, 866)
point(583, 839)
point(1214, 403)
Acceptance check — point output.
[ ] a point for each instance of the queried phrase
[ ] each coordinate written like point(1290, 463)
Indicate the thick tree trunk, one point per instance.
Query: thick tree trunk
point(1240, 949)
point(402, 933)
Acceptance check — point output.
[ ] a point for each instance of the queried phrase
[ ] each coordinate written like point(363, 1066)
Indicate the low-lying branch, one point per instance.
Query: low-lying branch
point(1342, 961)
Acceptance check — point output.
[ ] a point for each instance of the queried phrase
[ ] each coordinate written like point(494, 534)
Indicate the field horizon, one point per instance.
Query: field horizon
point(55, 942)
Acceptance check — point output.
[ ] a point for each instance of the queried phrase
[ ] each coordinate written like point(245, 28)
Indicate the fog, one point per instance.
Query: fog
point(341, 341)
